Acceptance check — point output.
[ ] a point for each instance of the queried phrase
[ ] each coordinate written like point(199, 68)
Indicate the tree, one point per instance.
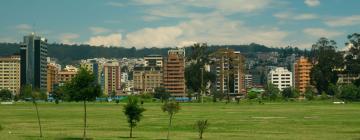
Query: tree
point(133, 112)
point(309, 93)
point(83, 87)
point(350, 93)
point(5, 95)
point(162, 94)
point(201, 126)
point(352, 59)
point(190, 94)
point(271, 92)
point(171, 107)
point(326, 59)
point(289, 92)
point(34, 95)
point(58, 94)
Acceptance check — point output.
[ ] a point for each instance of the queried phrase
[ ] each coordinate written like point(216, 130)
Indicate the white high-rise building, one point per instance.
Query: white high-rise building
point(280, 77)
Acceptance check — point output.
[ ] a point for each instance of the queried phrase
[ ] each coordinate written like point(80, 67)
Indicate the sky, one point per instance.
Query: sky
point(170, 23)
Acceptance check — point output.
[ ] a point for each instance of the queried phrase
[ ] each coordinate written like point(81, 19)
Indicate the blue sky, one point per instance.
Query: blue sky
point(161, 23)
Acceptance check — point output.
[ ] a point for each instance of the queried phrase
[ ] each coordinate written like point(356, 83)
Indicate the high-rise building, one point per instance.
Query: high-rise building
point(111, 77)
point(280, 78)
point(153, 61)
point(229, 64)
point(147, 78)
point(301, 70)
point(10, 73)
point(174, 72)
point(52, 76)
point(33, 52)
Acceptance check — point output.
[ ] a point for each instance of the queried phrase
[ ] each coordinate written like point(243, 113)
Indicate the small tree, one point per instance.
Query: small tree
point(133, 112)
point(28, 92)
point(58, 94)
point(289, 92)
point(309, 93)
point(162, 94)
point(271, 92)
point(5, 95)
point(83, 87)
point(171, 107)
point(201, 126)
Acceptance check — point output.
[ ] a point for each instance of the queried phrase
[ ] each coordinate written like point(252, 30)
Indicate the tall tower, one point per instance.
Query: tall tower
point(174, 69)
point(33, 54)
point(112, 77)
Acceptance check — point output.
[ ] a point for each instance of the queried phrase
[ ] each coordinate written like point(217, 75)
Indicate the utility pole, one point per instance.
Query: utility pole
point(202, 85)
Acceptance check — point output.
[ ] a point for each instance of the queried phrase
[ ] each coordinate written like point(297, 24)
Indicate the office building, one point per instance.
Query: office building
point(301, 71)
point(280, 78)
point(10, 73)
point(174, 72)
point(33, 52)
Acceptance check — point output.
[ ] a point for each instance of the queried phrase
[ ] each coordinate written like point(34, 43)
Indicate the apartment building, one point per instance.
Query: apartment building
point(280, 78)
point(111, 77)
point(174, 72)
point(10, 73)
point(301, 71)
point(146, 79)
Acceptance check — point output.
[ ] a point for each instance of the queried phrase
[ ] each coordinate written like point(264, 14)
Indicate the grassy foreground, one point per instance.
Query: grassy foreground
point(304, 121)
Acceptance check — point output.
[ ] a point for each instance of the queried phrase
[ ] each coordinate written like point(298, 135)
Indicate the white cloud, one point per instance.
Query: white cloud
point(98, 30)
point(106, 40)
point(150, 2)
point(312, 3)
point(291, 16)
point(320, 32)
point(68, 38)
point(23, 27)
point(153, 37)
point(213, 30)
point(343, 21)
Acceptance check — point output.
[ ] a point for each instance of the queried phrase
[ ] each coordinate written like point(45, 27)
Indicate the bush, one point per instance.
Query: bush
point(324, 96)
point(309, 94)
point(350, 92)
point(252, 95)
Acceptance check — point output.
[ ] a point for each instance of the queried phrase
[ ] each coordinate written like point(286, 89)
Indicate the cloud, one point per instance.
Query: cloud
point(98, 30)
point(213, 30)
point(320, 32)
point(291, 16)
point(343, 21)
point(115, 4)
point(153, 37)
point(68, 38)
point(106, 40)
point(23, 27)
point(150, 2)
point(312, 3)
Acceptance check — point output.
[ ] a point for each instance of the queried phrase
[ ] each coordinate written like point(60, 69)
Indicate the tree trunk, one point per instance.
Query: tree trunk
point(131, 131)
point(168, 134)
point(84, 136)
point(38, 117)
point(201, 133)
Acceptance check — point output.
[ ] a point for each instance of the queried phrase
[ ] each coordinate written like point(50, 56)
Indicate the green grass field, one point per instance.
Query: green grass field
point(245, 121)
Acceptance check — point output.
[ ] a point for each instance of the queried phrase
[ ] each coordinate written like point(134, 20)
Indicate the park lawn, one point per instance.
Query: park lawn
point(245, 121)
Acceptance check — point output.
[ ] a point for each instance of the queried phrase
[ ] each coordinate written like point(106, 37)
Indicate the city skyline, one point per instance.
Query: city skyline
point(163, 23)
